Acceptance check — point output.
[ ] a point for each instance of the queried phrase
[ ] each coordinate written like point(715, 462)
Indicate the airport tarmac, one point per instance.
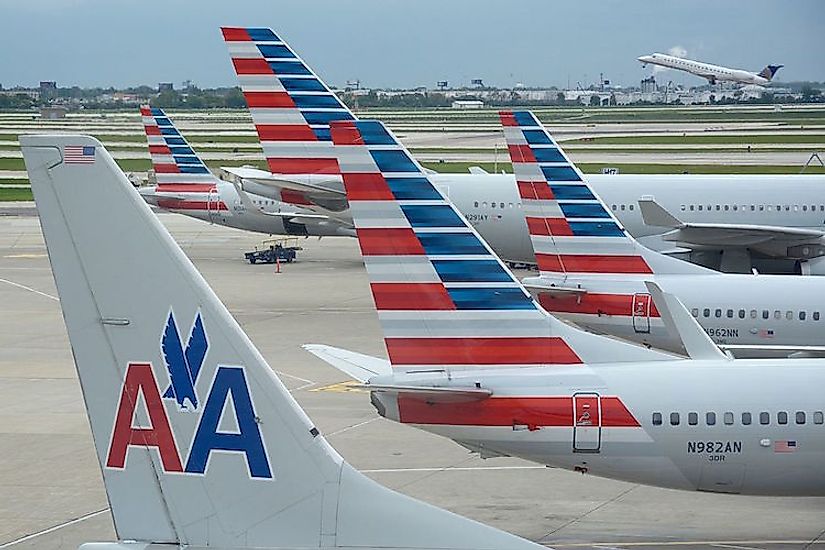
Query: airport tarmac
point(51, 492)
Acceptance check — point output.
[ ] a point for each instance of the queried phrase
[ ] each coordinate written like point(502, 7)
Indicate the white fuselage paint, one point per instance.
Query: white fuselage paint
point(713, 73)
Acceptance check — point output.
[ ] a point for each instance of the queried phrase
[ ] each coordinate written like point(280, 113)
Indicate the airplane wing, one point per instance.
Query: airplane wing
point(720, 234)
point(252, 208)
point(323, 188)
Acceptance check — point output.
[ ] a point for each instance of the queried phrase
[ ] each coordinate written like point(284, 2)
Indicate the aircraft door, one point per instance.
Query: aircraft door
point(587, 423)
point(641, 313)
point(213, 200)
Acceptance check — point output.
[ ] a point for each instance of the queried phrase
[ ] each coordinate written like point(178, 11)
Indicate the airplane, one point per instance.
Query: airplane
point(593, 272)
point(242, 466)
point(472, 357)
point(186, 186)
point(291, 108)
point(712, 73)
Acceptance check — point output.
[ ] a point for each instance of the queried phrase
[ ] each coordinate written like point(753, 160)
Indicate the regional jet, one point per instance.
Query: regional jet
point(742, 217)
point(242, 467)
point(474, 358)
point(712, 73)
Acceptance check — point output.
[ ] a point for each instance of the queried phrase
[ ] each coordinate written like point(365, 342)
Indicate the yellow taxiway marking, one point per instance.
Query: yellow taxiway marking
point(341, 387)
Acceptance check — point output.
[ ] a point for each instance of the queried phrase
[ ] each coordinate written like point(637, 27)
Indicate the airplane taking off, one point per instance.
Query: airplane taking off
point(200, 445)
point(186, 186)
point(474, 358)
point(593, 273)
point(743, 216)
point(712, 73)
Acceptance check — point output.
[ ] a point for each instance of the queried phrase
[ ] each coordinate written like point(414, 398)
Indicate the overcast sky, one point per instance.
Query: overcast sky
point(394, 43)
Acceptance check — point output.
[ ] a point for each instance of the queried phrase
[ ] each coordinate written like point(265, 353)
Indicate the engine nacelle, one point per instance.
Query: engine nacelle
point(814, 266)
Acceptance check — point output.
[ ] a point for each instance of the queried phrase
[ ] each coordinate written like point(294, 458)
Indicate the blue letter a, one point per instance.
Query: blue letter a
point(247, 441)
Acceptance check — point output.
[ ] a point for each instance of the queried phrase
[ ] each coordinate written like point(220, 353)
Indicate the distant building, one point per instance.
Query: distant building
point(48, 89)
point(52, 113)
point(165, 87)
point(648, 85)
point(467, 104)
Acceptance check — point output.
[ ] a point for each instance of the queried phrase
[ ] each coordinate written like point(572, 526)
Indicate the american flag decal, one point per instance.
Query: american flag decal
point(784, 446)
point(766, 333)
point(79, 154)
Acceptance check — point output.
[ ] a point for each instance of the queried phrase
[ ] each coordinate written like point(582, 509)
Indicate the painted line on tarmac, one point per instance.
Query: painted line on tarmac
point(348, 428)
point(30, 289)
point(343, 387)
point(716, 543)
point(55, 528)
point(307, 383)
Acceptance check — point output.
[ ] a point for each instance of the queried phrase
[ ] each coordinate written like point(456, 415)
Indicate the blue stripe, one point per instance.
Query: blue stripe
point(571, 192)
point(157, 112)
point(310, 101)
point(549, 154)
point(163, 121)
point(374, 133)
point(537, 137)
point(169, 132)
point(322, 134)
point(325, 117)
point(524, 118)
point(471, 271)
point(412, 189)
point(281, 68)
point(431, 216)
point(393, 161)
point(181, 151)
point(560, 173)
point(490, 298)
point(595, 229)
point(444, 244)
point(187, 160)
point(263, 34)
point(276, 51)
point(578, 210)
point(191, 169)
point(175, 141)
point(302, 85)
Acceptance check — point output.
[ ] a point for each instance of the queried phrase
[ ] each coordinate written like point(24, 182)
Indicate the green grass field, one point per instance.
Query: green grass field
point(15, 195)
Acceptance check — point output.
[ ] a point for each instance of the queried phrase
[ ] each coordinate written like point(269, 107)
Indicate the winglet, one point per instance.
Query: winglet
point(679, 322)
point(655, 214)
point(355, 365)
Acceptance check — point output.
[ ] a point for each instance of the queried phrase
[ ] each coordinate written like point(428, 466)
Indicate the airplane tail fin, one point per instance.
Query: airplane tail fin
point(443, 297)
point(199, 443)
point(571, 229)
point(769, 71)
point(290, 105)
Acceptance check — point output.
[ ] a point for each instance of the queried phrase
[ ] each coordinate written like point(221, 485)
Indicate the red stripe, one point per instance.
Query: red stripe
point(235, 34)
point(367, 187)
point(344, 132)
point(591, 303)
point(507, 118)
point(152, 130)
point(181, 204)
point(294, 197)
point(548, 226)
point(303, 166)
point(549, 262)
point(268, 99)
point(545, 350)
point(185, 187)
point(411, 296)
point(534, 412)
point(166, 168)
point(251, 66)
point(145, 111)
point(389, 242)
point(285, 132)
point(159, 150)
point(521, 153)
point(535, 190)
point(582, 263)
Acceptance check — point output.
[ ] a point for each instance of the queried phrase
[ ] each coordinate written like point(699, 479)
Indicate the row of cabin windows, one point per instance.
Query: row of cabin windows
point(263, 202)
point(621, 207)
point(494, 204)
point(746, 418)
point(754, 314)
point(753, 207)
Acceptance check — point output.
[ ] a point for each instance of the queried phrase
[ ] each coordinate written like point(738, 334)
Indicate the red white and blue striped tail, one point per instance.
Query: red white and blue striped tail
point(443, 297)
point(290, 106)
point(571, 229)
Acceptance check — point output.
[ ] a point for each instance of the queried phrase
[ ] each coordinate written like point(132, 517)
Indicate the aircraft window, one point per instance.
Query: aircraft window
point(613, 208)
point(502, 205)
point(509, 205)
point(484, 204)
point(819, 418)
point(691, 208)
point(706, 312)
point(730, 314)
point(778, 207)
point(816, 316)
point(782, 417)
point(475, 204)
point(683, 208)
point(727, 208)
point(630, 207)
point(753, 314)
point(492, 205)
point(804, 207)
point(766, 314)
point(770, 208)
point(693, 418)
point(674, 419)
point(789, 315)
point(741, 313)
point(777, 314)
point(813, 208)
point(787, 208)
point(727, 418)
point(735, 208)
point(709, 208)
point(718, 208)
point(753, 208)
point(746, 419)
point(623, 207)
point(761, 207)
point(764, 418)
point(800, 417)
point(710, 419)
point(695, 312)
point(717, 313)
point(801, 315)
point(700, 208)
point(657, 419)
point(822, 207)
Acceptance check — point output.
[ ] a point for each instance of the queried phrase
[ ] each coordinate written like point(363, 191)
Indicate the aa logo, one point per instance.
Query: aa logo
point(227, 394)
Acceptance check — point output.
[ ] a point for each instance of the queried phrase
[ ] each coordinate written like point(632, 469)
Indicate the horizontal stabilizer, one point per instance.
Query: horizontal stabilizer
point(755, 350)
point(432, 394)
point(680, 323)
point(355, 365)
point(547, 286)
point(324, 186)
point(477, 170)
point(655, 214)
